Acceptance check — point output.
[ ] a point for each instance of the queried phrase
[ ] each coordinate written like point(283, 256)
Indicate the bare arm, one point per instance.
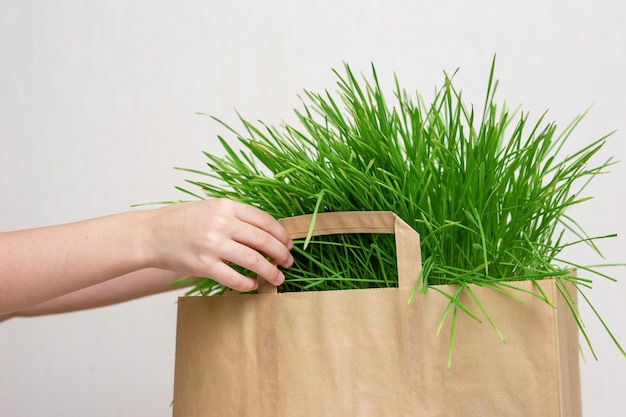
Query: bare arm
point(127, 287)
point(41, 264)
point(200, 238)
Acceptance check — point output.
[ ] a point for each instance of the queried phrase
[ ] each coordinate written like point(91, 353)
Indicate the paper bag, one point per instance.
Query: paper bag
point(368, 353)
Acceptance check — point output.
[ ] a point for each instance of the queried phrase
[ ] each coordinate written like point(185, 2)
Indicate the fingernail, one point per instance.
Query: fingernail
point(281, 278)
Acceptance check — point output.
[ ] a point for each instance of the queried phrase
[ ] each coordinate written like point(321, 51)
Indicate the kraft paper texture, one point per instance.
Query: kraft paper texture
point(367, 353)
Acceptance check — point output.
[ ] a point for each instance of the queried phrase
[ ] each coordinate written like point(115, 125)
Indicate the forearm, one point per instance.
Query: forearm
point(127, 287)
point(42, 264)
point(201, 238)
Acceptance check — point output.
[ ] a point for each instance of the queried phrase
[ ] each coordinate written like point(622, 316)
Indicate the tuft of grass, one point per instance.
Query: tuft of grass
point(487, 191)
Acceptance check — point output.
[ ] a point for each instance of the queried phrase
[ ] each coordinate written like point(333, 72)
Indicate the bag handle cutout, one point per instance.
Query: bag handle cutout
point(406, 238)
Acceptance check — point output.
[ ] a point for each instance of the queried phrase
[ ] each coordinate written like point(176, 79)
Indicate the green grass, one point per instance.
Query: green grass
point(487, 189)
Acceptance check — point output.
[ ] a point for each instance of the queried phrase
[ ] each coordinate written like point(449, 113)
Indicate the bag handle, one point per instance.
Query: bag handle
point(407, 240)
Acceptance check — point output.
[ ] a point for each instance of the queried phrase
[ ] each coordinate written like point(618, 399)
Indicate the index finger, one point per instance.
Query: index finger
point(264, 221)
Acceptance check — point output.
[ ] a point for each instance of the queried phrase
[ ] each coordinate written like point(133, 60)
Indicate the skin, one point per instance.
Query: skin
point(117, 258)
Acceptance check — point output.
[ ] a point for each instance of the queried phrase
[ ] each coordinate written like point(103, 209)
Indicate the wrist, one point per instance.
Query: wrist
point(143, 238)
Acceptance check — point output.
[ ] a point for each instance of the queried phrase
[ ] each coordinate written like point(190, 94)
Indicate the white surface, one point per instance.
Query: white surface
point(97, 103)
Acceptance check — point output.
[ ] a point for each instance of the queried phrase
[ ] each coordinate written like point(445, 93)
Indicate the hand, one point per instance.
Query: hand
point(203, 238)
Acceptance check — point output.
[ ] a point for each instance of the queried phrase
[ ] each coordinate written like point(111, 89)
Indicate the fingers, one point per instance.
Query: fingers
point(265, 243)
point(250, 238)
point(227, 276)
point(262, 220)
point(252, 260)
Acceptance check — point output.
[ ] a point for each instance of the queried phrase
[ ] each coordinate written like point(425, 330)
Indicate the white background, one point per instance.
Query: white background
point(98, 102)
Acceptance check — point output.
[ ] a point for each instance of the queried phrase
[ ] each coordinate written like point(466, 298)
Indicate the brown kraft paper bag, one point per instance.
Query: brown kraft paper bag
point(369, 353)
